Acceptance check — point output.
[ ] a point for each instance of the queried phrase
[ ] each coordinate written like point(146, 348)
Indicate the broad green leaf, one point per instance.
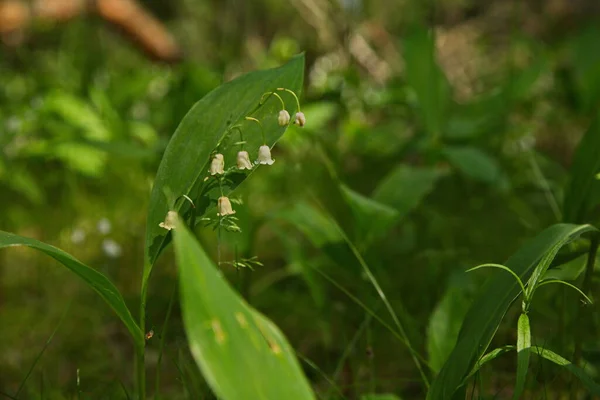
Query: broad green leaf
point(79, 114)
point(473, 163)
point(476, 118)
point(490, 306)
point(240, 352)
point(444, 325)
point(206, 127)
point(90, 276)
point(313, 223)
point(322, 232)
point(584, 66)
point(583, 192)
point(549, 355)
point(372, 219)
point(427, 79)
point(405, 187)
point(523, 353)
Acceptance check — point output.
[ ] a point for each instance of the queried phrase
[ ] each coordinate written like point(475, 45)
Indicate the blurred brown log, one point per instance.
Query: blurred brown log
point(128, 15)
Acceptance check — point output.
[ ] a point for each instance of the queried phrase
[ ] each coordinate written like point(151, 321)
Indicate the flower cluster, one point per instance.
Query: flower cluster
point(218, 176)
point(218, 172)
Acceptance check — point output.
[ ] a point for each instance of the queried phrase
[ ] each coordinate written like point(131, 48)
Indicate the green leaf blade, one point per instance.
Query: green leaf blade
point(583, 192)
point(94, 279)
point(489, 307)
point(549, 355)
point(523, 354)
point(240, 352)
point(185, 162)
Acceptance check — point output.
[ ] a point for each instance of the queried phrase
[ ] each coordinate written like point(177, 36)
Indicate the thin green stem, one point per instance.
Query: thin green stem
point(140, 350)
point(269, 94)
point(569, 285)
point(368, 310)
point(586, 288)
point(41, 353)
point(262, 130)
point(239, 129)
point(163, 335)
point(389, 307)
point(490, 265)
point(314, 366)
point(348, 351)
point(414, 355)
point(293, 94)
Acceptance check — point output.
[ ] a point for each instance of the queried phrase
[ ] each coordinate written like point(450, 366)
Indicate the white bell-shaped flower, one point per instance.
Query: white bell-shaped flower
point(264, 155)
point(170, 221)
point(224, 207)
point(284, 118)
point(243, 160)
point(217, 165)
point(300, 119)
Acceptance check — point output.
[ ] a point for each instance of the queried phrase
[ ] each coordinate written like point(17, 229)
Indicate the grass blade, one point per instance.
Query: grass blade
point(488, 308)
point(41, 353)
point(549, 355)
point(523, 353)
point(94, 279)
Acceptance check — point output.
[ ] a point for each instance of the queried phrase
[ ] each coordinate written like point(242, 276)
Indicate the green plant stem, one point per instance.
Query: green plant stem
point(140, 350)
point(163, 334)
point(586, 288)
point(384, 299)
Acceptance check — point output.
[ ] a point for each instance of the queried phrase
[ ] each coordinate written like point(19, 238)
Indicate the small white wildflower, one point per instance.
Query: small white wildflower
point(224, 207)
point(104, 226)
point(217, 165)
point(284, 118)
point(111, 248)
point(300, 119)
point(243, 160)
point(78, 236)
point(170, 221)
point(264, 155)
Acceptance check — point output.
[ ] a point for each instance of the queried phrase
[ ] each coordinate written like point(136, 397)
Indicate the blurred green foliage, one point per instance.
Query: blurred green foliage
point(434, 149)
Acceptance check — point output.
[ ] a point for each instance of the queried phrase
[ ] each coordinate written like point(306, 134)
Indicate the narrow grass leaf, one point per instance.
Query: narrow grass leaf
point(372, 219)
point(94, 279)
point(583, 191)
point(490, 306)
point(523, 354)
point(427, 79)
point(549, 355)
point(241, 353)
point(489, 357)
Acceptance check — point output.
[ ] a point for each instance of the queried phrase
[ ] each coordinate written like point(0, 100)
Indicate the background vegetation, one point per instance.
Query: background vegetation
point(458, 118)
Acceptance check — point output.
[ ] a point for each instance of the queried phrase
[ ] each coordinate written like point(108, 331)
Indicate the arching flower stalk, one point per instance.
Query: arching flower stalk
point(300, 118)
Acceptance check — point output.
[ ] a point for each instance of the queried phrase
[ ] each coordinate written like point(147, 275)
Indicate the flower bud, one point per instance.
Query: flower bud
point(243, 160)
point(224, 207)
point(284, 118)
point(300, 119)
point(264, 155)
point(217, 165)
point(170, 221)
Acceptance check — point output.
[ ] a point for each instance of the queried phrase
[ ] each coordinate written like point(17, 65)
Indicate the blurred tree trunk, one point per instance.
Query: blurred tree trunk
point(129, 16)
